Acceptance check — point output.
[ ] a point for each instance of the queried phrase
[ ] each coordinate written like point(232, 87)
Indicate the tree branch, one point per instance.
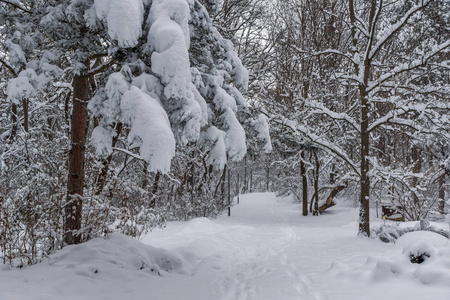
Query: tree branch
point(396, 28)
point(319, 141)
point(16, 6)
point(408, 67)
point(11, 69)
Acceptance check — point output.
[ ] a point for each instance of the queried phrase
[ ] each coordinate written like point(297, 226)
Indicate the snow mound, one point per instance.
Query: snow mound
point(421, 256)
point(117, 253)
point(411, 239)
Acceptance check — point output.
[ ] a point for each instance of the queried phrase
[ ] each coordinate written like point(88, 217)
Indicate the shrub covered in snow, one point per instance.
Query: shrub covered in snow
point(421, 255)
point(390, 232)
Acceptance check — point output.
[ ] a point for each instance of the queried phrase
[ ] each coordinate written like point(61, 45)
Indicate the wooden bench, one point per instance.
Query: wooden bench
point(393, 213)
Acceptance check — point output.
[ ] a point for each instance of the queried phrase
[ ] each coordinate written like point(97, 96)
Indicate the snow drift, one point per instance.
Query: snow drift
point(421, 256)
point(118, 252)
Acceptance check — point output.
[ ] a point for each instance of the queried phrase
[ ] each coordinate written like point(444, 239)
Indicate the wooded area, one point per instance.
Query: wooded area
point(119, 116)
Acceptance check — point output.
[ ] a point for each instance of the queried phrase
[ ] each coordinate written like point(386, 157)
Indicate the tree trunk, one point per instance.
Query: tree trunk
point(364, 216)
point(364, 213)
point(333, 174)
point(416, 160)
point(75, 182)
point(245, 175)
point(66, 110)
point(101, 179)
point(251, 181)
point(316, 184)
point(442, 194)
point(26, 122)
point(155, 189)
point(267, 174)
point(14, 121)
point(304, 184)
point(229, 192)
point(222, 186)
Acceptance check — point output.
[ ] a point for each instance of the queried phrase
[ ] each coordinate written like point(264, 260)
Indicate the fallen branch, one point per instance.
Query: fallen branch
point(329, 202)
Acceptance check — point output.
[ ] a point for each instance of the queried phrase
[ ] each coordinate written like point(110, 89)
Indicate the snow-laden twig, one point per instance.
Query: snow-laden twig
point(319, 141)
point(390, 32)
point(406, 67)
point(319, 108)
point(127, 152)
point(325, 52)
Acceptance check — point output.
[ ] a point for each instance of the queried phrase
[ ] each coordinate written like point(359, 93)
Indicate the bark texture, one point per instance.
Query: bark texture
point(75, 182)
point(304, 184)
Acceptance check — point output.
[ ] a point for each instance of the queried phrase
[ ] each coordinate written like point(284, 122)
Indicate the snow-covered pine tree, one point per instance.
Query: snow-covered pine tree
point(198, 80)
point(195, 76)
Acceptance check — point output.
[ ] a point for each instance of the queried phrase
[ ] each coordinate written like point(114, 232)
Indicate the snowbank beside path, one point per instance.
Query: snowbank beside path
point(265, 251)
point(114, 267)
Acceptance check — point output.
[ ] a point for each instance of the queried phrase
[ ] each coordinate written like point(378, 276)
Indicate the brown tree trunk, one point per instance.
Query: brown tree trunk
point(364, 214)
point(316, 184)
point(304, 184)
point(14, 121)
point(267, 173)
point(75, 182)
point(155, 189)
point(245, 175)
point(25, 103)
point(333, 174)
point(101, 179)
point(441, 201)
point(416, 160)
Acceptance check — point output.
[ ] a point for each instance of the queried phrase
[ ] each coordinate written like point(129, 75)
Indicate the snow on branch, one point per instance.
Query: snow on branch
point(150, 129)
point(129, 153)
point(124, 19)
point(169, 40)
point(361, 26)
point(325, 52)
point(338, 151)
point(388, 33)
point(388, 174)
point(397, 116)
point(235, 136)
point(354, 78)
point(214, 138)
point(11, 69)
point(406, 67)
point(319, 108)
point(16, 6)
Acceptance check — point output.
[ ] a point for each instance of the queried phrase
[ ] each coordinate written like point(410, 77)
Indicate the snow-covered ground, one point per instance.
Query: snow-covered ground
point(265, 250)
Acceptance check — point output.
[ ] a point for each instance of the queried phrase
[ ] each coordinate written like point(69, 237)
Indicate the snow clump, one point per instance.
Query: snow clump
point(150, 129)
point(124, 19)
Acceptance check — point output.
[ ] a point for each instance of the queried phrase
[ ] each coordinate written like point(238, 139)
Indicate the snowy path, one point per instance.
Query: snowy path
point(265, 251)
point(264, 269)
